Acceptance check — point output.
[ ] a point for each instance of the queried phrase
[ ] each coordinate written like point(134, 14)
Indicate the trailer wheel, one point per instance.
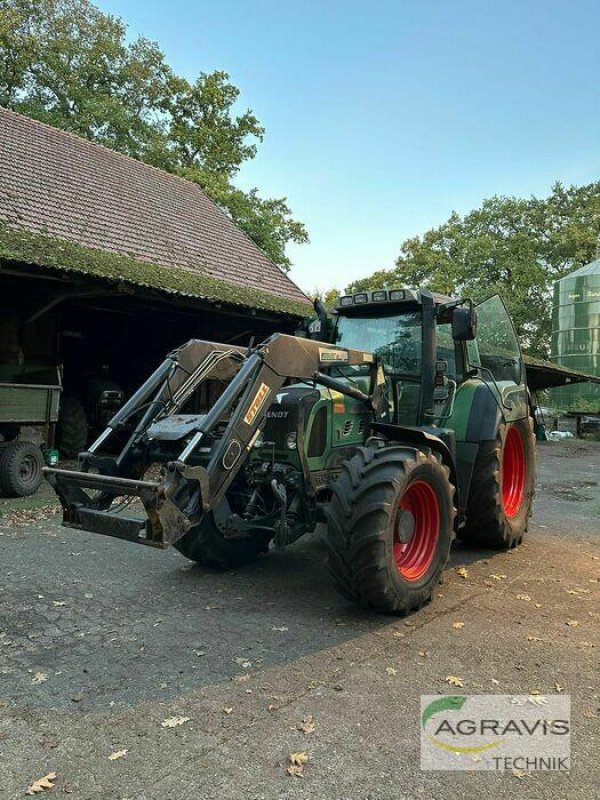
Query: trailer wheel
point(21, 466)
point(206, 545)
point(502, 488)
point(390, 527)
point(72, 428)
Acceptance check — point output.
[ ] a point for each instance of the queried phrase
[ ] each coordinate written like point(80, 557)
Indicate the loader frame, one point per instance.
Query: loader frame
point(189, 486)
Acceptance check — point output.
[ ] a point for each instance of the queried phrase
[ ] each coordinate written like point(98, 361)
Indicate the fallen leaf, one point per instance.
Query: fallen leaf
point(391, 671)
point(228, 710)
point(494, 681)
point(399, 634)
point(39, 677)
point(533, 639)
point(43, 783)
point(296, 765)
point(573, 623)
point(458, 625)
point(59, 603)
point(281, 628)
point(537, 700)
point(117, 755)
point(307, 725)
point(497, 577)
point(463, 572)
point(173, 722)
point(298, 758)
point(558, 687)
point(240, 678)
point(454, 681)
point(523, 597)
point(519, 773)
point(199, 653)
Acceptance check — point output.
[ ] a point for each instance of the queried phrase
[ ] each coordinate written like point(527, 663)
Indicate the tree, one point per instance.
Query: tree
point(66, 63)
point(514, 247)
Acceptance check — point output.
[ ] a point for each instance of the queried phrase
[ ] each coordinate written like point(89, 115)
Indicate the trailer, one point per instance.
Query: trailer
point(27, 399)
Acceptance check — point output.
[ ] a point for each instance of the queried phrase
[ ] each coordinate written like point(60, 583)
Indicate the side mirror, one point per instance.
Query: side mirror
point(464, 324)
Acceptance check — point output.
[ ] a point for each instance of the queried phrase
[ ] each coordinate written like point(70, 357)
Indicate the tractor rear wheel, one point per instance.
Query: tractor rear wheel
point(72, 428)
point(502, 488)
point(390, 526)
point(206, 545)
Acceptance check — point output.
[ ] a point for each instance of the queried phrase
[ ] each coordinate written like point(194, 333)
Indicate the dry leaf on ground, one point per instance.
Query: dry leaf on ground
point(572, 623)
point(173, 722)
point(533, 639)
point(39, 677)
point(307, 725)
point(281, 628)
point(391, 671)
point(454, 681)
point(43, 783)
point(296, 765)
point(463, 572)
point(523, 597)
point(458, 625)
point(117, 755)
point(519, 773)
point(228, 710)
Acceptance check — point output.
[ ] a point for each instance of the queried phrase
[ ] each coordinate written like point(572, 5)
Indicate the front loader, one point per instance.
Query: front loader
point(400, 431)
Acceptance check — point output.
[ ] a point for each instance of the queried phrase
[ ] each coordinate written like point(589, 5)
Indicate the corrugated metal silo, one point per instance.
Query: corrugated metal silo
point(576, 333)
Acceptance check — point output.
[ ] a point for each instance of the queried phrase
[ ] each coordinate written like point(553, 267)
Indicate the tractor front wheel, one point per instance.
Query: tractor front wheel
point(390, 527)
point(206, 545)
point(502, 488)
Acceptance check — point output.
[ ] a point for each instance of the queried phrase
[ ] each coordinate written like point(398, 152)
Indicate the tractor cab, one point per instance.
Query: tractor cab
point(419, 337)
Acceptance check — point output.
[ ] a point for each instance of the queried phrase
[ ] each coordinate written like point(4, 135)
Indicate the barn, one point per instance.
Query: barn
point(107, 263)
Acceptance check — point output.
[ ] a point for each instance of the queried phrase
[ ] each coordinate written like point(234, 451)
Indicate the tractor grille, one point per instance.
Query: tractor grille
point(348, 426)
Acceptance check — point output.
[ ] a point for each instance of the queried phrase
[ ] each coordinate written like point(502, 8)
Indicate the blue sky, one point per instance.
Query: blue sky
point(383, 117)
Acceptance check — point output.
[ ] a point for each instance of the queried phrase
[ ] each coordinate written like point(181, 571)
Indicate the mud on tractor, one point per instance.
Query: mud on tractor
point(403, 423)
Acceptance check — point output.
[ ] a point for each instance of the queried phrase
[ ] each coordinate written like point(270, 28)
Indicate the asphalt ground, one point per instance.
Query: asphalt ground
point(101, 642)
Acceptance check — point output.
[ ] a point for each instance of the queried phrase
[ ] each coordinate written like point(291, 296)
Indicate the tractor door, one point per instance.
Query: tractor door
point(496, 354)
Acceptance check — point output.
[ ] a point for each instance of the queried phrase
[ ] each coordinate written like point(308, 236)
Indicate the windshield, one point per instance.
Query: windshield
point(396, 339)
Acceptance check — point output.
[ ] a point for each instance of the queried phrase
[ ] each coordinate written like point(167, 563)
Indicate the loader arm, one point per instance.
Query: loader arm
point(188, 489)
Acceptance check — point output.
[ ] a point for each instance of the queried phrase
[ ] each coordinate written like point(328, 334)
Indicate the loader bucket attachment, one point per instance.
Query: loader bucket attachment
point(136, 510)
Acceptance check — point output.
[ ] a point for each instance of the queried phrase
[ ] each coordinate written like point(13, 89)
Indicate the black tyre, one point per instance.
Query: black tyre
point(206, 544)
point(72, 428)
point(21, 466)
point(502, 488)
point(390, 527)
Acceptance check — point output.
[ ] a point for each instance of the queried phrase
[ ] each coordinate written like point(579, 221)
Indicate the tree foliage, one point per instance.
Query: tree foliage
point(66, 63)
point(510, 246)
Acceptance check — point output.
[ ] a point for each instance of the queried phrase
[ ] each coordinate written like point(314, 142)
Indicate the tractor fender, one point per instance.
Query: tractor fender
point(485, 415)
point(426, 437)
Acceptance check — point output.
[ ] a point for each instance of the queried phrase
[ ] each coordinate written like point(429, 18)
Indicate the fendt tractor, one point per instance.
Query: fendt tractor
point(400, 421)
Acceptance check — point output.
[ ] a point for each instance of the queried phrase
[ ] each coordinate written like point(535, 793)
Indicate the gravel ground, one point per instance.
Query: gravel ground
point(101, 642)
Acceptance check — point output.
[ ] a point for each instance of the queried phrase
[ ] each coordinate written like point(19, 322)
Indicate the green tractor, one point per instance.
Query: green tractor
point(402, 421)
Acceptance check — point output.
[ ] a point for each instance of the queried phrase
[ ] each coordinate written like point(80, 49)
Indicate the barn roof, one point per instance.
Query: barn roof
point(67, 203)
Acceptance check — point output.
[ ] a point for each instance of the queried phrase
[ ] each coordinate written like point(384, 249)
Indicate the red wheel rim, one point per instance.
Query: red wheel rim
point(415, 556)
point(513, 472)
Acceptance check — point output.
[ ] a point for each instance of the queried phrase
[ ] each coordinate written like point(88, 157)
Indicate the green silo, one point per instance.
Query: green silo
point(576, 334)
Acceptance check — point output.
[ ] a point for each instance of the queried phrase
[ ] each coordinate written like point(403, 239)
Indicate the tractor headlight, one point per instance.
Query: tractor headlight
point(290, 440)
